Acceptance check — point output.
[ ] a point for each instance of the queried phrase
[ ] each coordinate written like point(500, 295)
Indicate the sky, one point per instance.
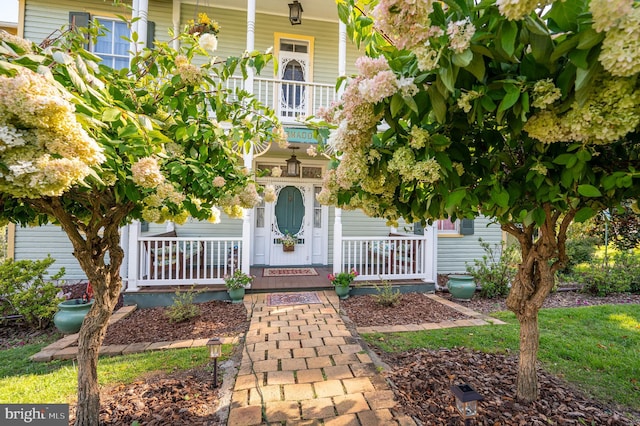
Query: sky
point(9, 10)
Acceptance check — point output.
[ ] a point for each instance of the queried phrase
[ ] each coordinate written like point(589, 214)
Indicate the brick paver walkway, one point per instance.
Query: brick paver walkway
point(300, 365)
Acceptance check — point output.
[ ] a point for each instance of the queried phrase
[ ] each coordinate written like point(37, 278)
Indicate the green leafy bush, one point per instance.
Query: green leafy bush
point(385, 295)
point(580, 250)
point(495, 270)
point(183, 308)
point(24, 290)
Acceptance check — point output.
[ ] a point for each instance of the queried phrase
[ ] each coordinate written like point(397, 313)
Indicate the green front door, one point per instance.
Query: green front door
point(289, 210)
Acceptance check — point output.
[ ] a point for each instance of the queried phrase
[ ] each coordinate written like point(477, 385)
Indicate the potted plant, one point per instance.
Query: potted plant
point(236, 284)
point(71, 312)
point(288, 241)
point(461, 287)
point(342, 282)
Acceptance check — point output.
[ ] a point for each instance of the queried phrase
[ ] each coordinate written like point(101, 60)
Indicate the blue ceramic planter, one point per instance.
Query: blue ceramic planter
point(70, 315)
point(461, 287)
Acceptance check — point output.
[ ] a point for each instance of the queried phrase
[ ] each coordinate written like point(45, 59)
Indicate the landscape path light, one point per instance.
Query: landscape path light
point(215, 350)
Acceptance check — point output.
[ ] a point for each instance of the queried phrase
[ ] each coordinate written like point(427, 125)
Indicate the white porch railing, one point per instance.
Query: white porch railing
point(291, 100)
point(184, 260)
point(388, 258)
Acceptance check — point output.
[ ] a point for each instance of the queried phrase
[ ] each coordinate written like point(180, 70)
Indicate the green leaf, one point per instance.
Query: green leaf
point(111, 114)
point(476, 66)
point(411, 103)
point(563, 159)
point(397, 103)
point(454, 199)
point(539, 216)
point(564, 14)
point(462, 59)
point(501, 197)
point(584, 214)
point(589, 191)
point(507, 36)
point(445, 75)
point(589, 38)
point(438, 104)
point(563, 48)
point(513, 93)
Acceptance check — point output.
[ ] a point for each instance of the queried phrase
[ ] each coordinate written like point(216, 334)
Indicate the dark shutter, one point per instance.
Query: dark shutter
point(151, 34)
point(466, 227)
point(418, 229)
point(78, 20)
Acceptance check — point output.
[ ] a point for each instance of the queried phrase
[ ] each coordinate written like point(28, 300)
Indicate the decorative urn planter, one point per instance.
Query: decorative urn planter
point(343, 292)
point(70, 315)
point(461, 287)
point(236, 294)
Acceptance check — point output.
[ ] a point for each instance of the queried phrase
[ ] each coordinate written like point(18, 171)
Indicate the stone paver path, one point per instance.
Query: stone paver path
point(300, 365)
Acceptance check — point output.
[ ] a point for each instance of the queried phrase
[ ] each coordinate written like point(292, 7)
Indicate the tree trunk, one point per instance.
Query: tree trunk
point(527, 382)
point(542, 256)
point(91, 336)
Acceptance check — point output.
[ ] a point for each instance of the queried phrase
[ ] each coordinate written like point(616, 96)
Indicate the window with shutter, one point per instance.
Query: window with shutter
point(111, 44)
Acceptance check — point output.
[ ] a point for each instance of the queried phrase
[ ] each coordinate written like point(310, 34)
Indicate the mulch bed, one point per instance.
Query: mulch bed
point(217, 318)
point(413, 308)
point(182, 398)
point(421, 380)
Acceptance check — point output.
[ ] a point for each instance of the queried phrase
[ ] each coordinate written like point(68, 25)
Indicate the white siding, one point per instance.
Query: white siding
point(36, 243)
point(43, 17)
point(356, 224)
point(455, 252)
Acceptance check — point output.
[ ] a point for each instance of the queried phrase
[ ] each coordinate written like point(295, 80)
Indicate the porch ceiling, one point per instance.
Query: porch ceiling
point(324, 10)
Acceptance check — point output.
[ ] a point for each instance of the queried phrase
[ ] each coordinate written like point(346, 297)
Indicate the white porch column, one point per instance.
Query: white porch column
point(133, 258)
point(431, 254)
point(337, 241)
point(342, 49)
point(175, 17)
point(247, 221)
point(124, 268)
point(251, 37)
point(140, 9)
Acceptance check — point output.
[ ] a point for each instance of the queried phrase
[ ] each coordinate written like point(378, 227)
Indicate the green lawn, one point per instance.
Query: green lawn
point(23, 381)
point(596, 347)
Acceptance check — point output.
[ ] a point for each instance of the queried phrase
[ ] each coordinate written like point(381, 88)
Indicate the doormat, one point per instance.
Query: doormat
point(288, 272)
point(281, 299)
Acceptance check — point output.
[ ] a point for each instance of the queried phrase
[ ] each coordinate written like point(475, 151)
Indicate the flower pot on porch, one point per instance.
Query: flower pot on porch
point(288, 247)
point(343, 291)
point(461, 287)
point(236, 294)
point(70, 315)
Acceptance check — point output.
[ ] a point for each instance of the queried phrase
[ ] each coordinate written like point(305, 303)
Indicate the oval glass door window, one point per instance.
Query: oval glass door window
point(289, 210)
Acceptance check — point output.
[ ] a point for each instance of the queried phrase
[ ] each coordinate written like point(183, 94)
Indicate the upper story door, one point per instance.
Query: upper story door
point(294, 71)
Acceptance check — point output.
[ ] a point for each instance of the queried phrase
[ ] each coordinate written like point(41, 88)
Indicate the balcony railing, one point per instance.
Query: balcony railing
point(180, 260)
point(292, 100)
point(388, 258)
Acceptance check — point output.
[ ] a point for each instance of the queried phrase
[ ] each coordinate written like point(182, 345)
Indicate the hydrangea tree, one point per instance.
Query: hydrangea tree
point(524, 111)
point(91, 148)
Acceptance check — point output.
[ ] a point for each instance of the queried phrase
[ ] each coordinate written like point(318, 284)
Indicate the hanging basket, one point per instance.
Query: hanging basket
point(288, 247)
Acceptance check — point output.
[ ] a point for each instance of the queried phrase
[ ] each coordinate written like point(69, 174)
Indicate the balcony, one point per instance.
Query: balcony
point(292, 101)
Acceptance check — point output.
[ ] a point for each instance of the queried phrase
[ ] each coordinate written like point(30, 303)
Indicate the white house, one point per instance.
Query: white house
point(311, 54)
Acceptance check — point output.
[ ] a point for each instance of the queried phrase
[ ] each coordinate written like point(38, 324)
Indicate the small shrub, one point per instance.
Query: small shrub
point(602, 281)
point(495, 270)
point(580, 250)
point(385, 295)
point(183, 308)
point(24, 291)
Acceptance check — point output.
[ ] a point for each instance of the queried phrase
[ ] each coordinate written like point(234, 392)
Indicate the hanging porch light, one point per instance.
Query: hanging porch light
point(295, 13)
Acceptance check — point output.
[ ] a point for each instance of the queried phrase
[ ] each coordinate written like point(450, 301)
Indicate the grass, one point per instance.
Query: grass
point(596, 348)
point(23, 381)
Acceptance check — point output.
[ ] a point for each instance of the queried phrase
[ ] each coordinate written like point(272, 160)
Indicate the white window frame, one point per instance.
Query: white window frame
point(451, 232)
point(108, 23)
